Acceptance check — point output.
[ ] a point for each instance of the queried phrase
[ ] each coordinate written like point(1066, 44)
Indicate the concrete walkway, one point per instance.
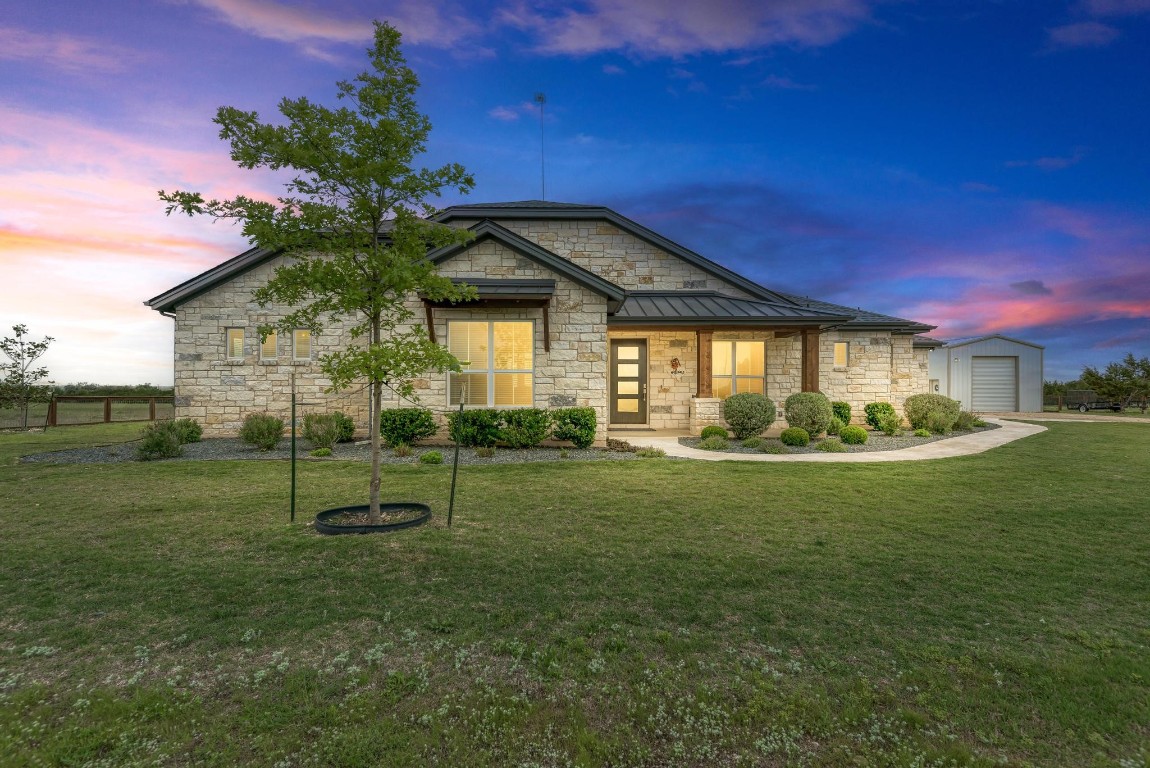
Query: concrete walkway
point(1094, 417)
point(964, 445)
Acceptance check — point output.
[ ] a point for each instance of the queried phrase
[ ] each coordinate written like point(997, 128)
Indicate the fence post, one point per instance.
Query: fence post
point(51, 412)
point(151, 409)
point(107, 410)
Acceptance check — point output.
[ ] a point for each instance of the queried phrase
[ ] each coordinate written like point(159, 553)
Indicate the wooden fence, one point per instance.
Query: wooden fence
point(85, 409)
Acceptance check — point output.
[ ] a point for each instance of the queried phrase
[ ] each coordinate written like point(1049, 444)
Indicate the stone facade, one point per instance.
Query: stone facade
point(219, 392)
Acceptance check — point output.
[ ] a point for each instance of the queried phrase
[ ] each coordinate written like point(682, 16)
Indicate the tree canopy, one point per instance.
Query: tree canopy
point(1122, 381)
point(353, 223)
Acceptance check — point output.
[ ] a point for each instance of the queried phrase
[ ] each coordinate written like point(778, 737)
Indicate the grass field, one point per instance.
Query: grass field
point(987, 610)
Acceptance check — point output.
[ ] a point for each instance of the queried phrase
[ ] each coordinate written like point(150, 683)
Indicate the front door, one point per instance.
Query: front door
point(628, 381)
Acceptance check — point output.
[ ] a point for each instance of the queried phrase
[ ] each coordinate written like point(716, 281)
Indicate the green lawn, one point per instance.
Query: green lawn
point(987, 610)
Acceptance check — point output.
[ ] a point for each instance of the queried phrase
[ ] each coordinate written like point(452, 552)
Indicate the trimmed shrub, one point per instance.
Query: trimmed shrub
point(832, 446)
point(262, 430)
point(575, 424)
point(187, 430)
point(346, 427)
point(754, 442)
point(431, 457)
point(890, 424)
point(775, 449)
point(796, 436)
point(648, 452)
point(966, 421)
point(939, 423)
point(406, 425)
point(836, 426)
point(713, 430)
point(159, 440)
point(922, 433)
point(809, 411)
point(854, 435)
point(842, 411)
point(321, 429)
point(525, 427)
point(714, 443)
point(919, 408)
point(320, 453)
point(749, 414)
point(477, 428)
point(875, 411)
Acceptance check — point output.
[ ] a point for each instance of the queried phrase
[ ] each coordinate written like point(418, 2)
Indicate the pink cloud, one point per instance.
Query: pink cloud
point(656, 28)
point(423, 23)
point(1083, 34)
point(61, 51)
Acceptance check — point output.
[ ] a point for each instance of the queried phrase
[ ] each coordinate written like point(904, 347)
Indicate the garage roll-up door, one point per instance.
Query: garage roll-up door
point(994, 384)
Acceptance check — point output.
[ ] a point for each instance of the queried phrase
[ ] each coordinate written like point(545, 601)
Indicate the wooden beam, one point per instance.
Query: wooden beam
point(547, 326)
point(430, 321)
point(703, 357)
point(810, 361)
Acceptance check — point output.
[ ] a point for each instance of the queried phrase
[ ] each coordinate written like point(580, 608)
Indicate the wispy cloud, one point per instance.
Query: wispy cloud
point(1031, 288)
point(65, 52)
point(1050, 163)
point(506, 114)
point(1117, 7)
point(1083, 34)
point(781, 83)
point(611, 69)
point(509, 113)
point(657, 28)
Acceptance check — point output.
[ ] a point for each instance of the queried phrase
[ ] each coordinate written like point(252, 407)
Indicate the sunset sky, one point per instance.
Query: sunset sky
point(983, 167)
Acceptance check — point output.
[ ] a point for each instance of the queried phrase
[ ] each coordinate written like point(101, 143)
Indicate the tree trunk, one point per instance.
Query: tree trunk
point(373, 516)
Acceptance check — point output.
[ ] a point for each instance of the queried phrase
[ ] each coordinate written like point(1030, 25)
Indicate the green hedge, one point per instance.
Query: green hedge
point(810, 411)
point(404, 426)
point(575, 424)
point(524, 427)
point(875, 412)
point(476, 428)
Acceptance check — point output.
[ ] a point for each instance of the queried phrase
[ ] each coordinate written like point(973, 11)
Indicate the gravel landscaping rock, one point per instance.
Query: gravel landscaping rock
point(876, 441)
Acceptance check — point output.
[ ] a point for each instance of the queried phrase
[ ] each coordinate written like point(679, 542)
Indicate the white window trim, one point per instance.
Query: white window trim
point(834, 355)
point(734, 377)
point(489, 367)
point(274, 357)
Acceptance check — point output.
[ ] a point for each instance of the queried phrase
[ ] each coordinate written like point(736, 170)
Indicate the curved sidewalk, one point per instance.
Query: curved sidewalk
point(964, 445)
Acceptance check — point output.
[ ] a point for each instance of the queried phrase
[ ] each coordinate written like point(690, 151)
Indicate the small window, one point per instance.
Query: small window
point(269, 347)
point(301, 344)
point(235, 342)
point(842, 354)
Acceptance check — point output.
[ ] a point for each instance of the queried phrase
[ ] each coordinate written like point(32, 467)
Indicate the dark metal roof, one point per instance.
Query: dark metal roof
point(972, 339)
point(926, 342)
point(712, 307)
point(489, 230)
point(863, 319)
point(532, 209)
point(170, 299)
point(490, 288)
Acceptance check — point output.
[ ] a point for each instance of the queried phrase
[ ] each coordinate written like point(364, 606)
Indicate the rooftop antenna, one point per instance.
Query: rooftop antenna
point(541, 99)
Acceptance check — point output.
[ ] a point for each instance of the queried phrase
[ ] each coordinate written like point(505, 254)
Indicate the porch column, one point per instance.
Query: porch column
point(703, 357)
point(810, 361)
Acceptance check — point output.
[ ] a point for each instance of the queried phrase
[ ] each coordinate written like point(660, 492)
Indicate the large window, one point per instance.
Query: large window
point(235, 343)
point(498, 359)
point(738, 366)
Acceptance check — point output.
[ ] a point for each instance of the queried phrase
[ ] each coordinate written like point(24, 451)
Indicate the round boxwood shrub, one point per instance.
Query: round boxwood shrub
point(748, 413)
point(714, 443)
point(262, 430)
point(405, 425)
point(796, 436)
point(320, 453)
point(922, 433)
point(853, 435)
point(478, 428)
point(575, 424)
point(524, 427)
point(875, 412)
point(713, 430)
point(919, 408)
point(842, 411)
point(431, 457)
point(810, 411)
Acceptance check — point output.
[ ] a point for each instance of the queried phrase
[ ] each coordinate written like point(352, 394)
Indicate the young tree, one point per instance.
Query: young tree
point(21, 384)
point(351, 223)
point(1121, 381)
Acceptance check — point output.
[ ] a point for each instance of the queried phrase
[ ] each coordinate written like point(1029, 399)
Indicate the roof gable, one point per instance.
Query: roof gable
point(489, 230)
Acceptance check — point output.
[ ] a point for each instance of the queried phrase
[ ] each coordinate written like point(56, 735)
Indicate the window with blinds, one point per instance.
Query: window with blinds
point(301, 344)
point(269, 347)
point(738, 366)
point(498, 362)
point(235, 343)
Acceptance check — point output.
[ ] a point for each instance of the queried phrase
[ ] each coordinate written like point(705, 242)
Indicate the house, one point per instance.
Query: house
point(577, 305)
point(988, 374)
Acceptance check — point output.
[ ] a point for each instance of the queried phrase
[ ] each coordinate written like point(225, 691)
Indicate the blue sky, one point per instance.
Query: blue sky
point(978, 166)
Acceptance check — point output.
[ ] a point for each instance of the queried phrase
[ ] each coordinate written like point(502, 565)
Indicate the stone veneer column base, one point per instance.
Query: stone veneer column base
point(706, 411)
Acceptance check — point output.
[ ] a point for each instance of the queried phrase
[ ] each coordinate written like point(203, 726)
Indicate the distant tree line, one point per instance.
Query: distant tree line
point(111, 390)
point(1123, 381)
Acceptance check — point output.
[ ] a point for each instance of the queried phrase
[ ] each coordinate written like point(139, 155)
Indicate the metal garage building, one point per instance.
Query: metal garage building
point(989, 374)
